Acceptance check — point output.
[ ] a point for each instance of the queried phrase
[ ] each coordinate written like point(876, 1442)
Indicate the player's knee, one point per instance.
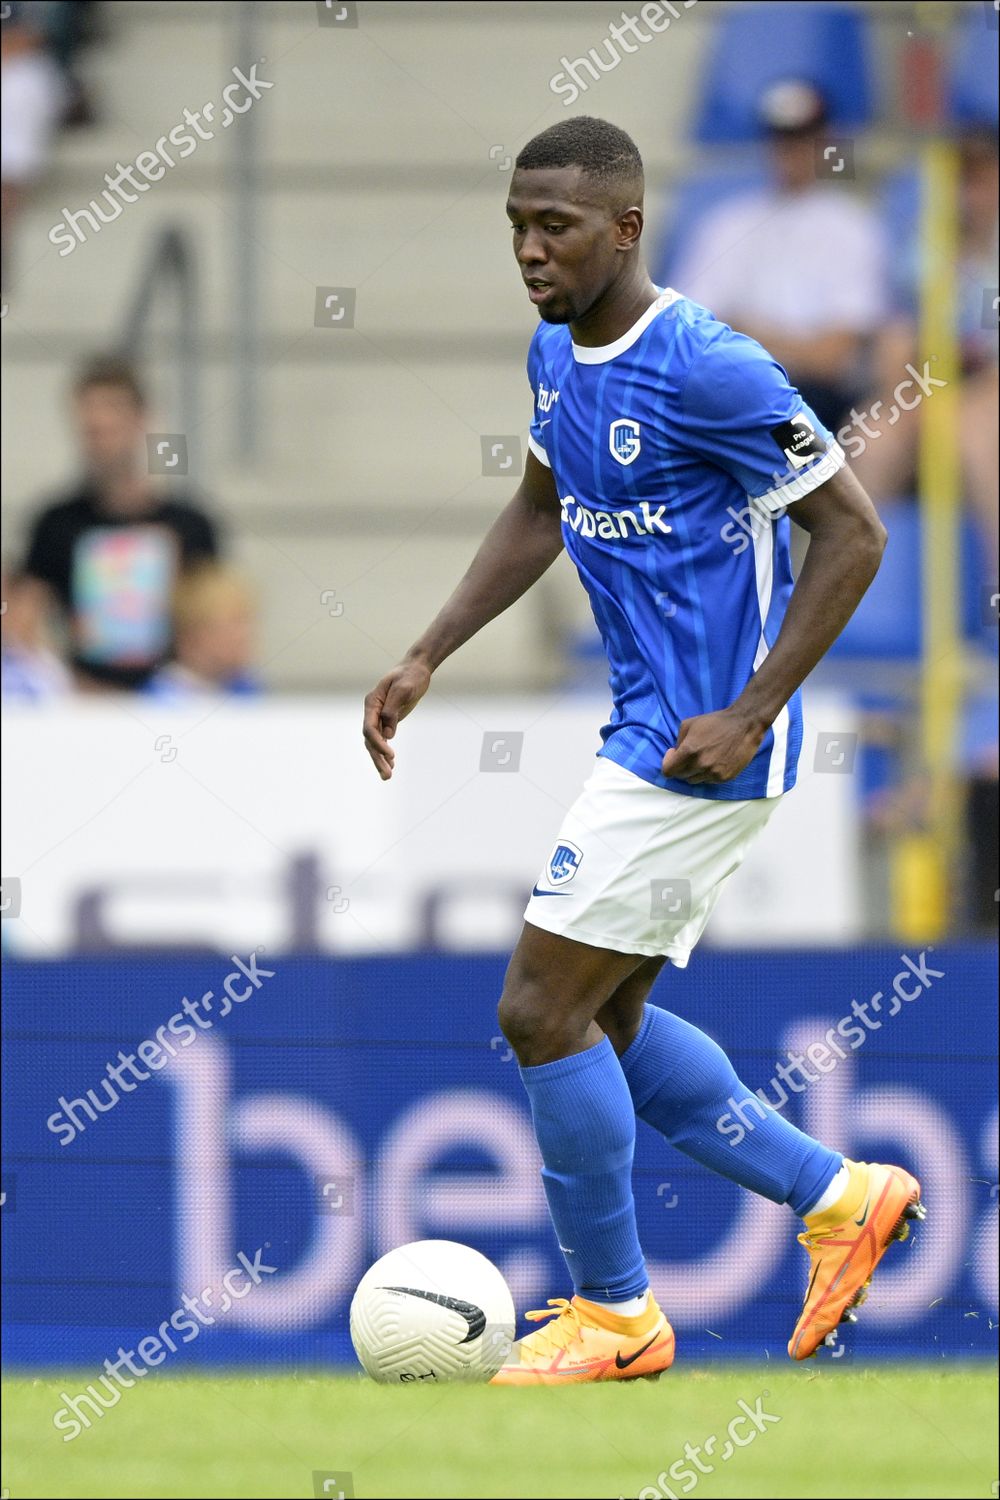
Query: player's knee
point(533, 1022)
point(519, 1014)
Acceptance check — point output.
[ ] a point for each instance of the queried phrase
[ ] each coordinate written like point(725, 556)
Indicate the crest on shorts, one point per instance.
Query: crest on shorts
point(564, 863)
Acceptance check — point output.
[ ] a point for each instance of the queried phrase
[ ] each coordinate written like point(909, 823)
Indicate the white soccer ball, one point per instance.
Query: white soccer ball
point(432, 1311)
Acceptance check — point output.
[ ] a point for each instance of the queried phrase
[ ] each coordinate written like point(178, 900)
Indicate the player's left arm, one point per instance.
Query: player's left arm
point(846, 541)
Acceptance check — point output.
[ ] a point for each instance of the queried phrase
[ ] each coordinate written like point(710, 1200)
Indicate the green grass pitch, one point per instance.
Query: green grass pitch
point(888, 1431)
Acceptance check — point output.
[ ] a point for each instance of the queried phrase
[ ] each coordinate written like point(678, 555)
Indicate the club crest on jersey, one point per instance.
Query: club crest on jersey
point(624, 440)
point(564, 863)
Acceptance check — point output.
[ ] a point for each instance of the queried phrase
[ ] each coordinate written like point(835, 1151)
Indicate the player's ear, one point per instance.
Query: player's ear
point(628, 227)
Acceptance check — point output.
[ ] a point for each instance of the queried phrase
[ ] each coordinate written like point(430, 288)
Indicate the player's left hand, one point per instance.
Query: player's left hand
point(714, 747)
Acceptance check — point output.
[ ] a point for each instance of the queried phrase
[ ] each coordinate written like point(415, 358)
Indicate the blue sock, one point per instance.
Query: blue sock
point(683, 1084)
point(585, 1125)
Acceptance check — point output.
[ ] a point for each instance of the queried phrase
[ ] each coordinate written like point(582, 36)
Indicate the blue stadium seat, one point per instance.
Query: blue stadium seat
point(899, 201)
point(756, 45)
point(972, 83)
point(692, 199)
point(899, 198)
point(887, 625)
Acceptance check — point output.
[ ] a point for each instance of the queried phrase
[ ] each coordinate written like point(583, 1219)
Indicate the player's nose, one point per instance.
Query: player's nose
point(531, 251)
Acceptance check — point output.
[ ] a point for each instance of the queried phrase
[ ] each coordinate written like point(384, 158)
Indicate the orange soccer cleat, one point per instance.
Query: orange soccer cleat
point(846, 1243)
point(588, 1342)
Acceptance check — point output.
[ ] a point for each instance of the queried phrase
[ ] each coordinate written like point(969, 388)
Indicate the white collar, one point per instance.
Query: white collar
point(601, 353)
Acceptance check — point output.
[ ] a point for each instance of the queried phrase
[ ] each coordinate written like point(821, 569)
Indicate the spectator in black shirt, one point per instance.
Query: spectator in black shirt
point(108, 553)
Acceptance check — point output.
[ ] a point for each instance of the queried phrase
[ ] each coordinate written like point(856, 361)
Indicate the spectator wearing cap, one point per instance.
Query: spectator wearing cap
point(104, 558)
point(800, 264)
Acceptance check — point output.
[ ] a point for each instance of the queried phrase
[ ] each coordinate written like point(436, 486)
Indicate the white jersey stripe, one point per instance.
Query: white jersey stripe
point(763, 556)
point(800, 485)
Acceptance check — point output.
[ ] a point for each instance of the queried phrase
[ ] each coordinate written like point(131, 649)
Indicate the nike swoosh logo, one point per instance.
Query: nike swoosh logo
point(864, 1213)
point(473, 1315)
point(811, 1280)
point(623, 1364)
point(536, 892)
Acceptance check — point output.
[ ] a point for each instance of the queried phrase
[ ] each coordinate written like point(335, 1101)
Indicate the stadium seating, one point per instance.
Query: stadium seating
point(887, 625)
point(972, 93)
point(756, 45)
point(881, 644)
point(369, 472)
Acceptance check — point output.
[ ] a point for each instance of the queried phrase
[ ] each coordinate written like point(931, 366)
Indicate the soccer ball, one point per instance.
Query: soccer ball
point(432, 1311)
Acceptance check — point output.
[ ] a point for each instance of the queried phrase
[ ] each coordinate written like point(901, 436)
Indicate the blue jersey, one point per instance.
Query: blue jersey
point(675, 451)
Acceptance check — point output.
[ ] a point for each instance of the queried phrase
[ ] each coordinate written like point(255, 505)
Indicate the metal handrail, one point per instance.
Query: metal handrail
point(171, 259)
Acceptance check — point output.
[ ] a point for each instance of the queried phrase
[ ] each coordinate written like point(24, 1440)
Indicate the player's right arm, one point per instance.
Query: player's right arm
point(524, 541)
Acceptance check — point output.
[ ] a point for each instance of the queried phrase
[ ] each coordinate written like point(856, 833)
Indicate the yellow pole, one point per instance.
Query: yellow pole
point(925, 863)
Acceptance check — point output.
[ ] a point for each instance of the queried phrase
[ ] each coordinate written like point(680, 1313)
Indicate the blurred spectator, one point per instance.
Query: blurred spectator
point(29, 671)
point(887, 467)
point(32, 100)
point(108, 553)
point(798, 265)
point(213, 618)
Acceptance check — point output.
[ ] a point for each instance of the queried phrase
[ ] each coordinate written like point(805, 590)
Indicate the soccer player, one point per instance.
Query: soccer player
point(653, 424)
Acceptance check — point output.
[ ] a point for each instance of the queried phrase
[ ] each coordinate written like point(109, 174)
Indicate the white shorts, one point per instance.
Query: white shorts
point(638, 868)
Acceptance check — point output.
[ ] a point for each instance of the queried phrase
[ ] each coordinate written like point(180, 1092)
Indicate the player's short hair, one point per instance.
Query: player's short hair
point(111, 370)
point(604, 153)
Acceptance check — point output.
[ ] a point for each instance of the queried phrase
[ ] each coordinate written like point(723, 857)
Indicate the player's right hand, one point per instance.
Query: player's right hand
point(389, 701)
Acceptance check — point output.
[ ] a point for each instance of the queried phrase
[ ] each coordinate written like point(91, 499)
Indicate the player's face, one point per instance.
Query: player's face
point(565, 241)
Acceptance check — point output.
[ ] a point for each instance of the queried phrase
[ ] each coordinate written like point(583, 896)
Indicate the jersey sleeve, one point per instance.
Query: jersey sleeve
point(739, 411)
point(539, 422)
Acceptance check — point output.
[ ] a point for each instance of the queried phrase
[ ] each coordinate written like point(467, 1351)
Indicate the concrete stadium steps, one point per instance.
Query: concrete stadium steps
point(422, 272)
point(382, 588)
point(354, 432)
point(407, 86)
